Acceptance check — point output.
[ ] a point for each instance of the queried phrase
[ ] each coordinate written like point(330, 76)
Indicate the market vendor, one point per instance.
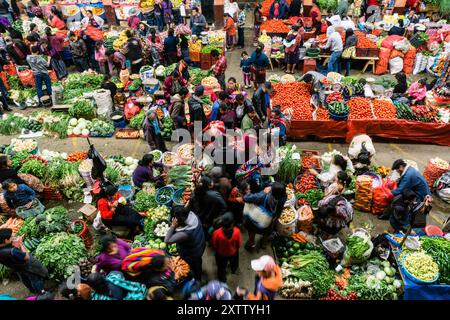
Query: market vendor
point(261, 210)
point(177, 108)
point(219, 67)
point(222, 98)
point(17, 50)
point(187, 232)
point(335, 44)
point(261, 100)
point(335, 213)
point(114, 286)
point(22, 197)
point(13, 255)
point(401, 86)
point(7, 172)
point(315, 78)
point(230, 30)
point(232, 86)
point(410, 178)
point(56, 19)
point(112, 253)
point(338, 163)
point(114, 213)
point(399, 211)
point(227, 115)
point(173, 84)
point(182, 67)
point(152, 128)
point(341, 182)
point(144, 172)
point(197, 21)
point(92, 20)
point(279, 10)
point(398, 30)
point(79, 52)
point(116, 61)
point(196, 111)
point(291, 49)
point(417, 92)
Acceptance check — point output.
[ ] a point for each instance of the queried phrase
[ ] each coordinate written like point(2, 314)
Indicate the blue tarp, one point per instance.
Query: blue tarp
point(415, 291)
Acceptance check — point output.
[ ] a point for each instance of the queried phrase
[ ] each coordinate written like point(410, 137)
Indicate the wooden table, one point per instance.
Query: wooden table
point(370, 61)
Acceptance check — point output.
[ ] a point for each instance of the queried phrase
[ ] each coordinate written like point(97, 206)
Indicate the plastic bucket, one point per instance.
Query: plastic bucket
point(119, 122)
point(159, 193)
point(126, 191)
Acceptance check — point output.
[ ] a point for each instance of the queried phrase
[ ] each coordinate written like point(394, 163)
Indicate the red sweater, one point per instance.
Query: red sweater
point(223, 246)
point(104, 207)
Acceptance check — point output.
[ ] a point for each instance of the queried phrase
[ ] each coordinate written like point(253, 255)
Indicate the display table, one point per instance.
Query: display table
point(435, 133)
point(370, 61)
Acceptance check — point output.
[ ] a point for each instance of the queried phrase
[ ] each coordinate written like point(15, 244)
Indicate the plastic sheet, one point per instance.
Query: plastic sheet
point(435, 133)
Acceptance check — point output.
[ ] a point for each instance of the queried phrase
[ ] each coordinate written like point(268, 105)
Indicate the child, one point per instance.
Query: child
point(226, 241)
point(183, 12)
point(101, 58)
point(246, 69)
point(417, 92)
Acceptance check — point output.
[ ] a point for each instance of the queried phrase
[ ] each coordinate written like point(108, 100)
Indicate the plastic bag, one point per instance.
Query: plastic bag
point(36, 209)
point(98, 223)
point(305, 219)
point(348, 260)
point(402, 45)
point(382, 196)
point(333, 247)
point(396, 65)
point(363, 197)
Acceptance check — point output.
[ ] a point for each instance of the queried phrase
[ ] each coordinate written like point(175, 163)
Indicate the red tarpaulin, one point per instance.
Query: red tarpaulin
point(436, 133)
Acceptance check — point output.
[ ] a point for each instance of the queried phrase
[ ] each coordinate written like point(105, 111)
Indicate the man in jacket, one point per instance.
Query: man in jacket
point(198, 22)
point(335, 44)
point(14, 256)
point(411, 179)
point(261, 100)
point(176, 109)
point(196, 112)
point(187, 232)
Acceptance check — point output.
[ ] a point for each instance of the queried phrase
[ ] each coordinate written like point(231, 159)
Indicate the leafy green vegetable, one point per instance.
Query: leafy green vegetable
point(168, 125)
point(35, 167)
point(5, 272)
point(289, 168)
point(53, 220)
point(14, 82)
point(112, 174)
point(357, 246)
point(29, 229)
point(439, 249)
point(313, 196)
point(83, 108)
point(100, 128)
point(13, 124)
point(59, 126)
point(209, 48)
point(137, 121)
point(144, 201)
point(59, 252)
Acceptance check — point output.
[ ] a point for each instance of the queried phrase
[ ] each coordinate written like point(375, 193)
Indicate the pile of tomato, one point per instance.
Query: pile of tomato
point(274, 26)
point(293, 98)
point(366, 43)
point(384, 109)
point(360, 108)
point(322, 114)
point(335, 97)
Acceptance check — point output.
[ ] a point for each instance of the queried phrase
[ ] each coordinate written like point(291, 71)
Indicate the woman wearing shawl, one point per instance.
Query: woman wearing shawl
point(335, 213)
point(115, 287)
point(292, 49)
point(112, 253)
point(152, 132)
point(278, 121)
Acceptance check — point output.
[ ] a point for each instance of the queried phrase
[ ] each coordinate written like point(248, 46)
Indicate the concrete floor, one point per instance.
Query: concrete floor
point(387, 152)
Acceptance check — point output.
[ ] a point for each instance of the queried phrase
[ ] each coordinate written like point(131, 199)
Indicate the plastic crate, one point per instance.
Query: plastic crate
point(306, 153)
point(309, 65)
point(205, 65)
point(205, 57)
point(373, 52)
point(362, 52)
point(195, 56)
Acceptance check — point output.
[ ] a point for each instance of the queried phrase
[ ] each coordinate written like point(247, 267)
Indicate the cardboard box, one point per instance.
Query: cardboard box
point(89, 212)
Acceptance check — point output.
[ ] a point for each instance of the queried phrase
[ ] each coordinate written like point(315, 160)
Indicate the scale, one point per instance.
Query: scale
point(204, 37)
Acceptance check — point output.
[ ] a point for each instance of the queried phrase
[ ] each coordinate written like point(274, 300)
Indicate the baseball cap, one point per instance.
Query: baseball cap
point(264, 263)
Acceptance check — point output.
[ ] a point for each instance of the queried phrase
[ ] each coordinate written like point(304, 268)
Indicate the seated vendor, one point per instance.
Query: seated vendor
point(112, 253)
point(399, 211)
point(8, 172)
point(341, 181)
point(144, 172)
point(418, 92)
point(173, 84)
point(114, 213)
point(338, 163)
point(18, 195)
point(335, 213)
point(398, 30)
point(115, 287)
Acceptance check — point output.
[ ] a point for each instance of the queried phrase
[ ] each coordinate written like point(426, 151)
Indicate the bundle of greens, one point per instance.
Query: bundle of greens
point(34, 167)
point(52, 221)
point(357, 246)
point(311, 266)
point(29, 229)
point(312, 196)
point(19, 157)
point(77, 84)
point(59, 253)
point(14, 82)
point(144, 201)
point(288, 168)
point(168, 125)
point(12, 124)
point(100, 128)
point(328, 5)
point(196, 75)
point(137, 121)
point(439, 249)
point(58, 125)
point(83, 108)
point(385, 82)
point(22, 95)
point(180, 176)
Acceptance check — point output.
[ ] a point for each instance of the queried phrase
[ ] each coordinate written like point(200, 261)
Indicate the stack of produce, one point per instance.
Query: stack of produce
point(311, 196)
point(294, 99)
point(34, 167)
point(77, 84)
point(404, 111)
point(274, 26)
point(435, 168)
point(14, 224)
point(363, 200)
point(359, 248)
point(421, 266)
point(100, 128)
point(59, 253)
point(137, 121)
point(366, 43)
point(79, 127)
point(339, 109)
point(12, 124)
point(288, 167)
point(82, 108)
point(425, 113)
point(18, 145)
point(180, 176)
point(32, 125)
point(308, 266)
point(179, 267)
point(305, 218)
point(334, 97)
point(360, 109)
point(168, 126)
point(305, 182)
point(384, 109)
point(322, 114)
point(374, 280)
point(144, 201)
